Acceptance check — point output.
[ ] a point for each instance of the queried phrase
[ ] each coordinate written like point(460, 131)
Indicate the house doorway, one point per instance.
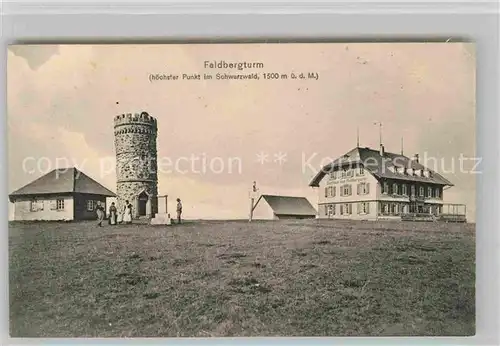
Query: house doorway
point(142, 203)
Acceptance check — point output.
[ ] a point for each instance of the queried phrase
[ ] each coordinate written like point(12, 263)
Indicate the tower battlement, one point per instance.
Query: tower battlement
point(142, 118)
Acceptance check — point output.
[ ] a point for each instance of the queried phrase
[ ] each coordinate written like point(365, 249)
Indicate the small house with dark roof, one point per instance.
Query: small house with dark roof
point(271, 207)
point(374, 184)
point(62, 194)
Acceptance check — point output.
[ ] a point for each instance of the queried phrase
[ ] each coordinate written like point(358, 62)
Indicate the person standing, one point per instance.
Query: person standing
point(179, 210)
point(112, 214)
point(127, 213)
point(100, 213)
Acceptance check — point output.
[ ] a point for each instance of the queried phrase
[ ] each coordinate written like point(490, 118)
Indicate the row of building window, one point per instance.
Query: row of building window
point(58, 204)
point(346, 190)
point(410, 171)
point(347, 173)
point(402, 190)
point(346, 208)
point(386, 208)
point(400, 208)
point(39, 205)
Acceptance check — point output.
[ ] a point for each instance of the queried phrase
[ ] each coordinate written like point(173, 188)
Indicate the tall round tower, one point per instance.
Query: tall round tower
point(136, 163)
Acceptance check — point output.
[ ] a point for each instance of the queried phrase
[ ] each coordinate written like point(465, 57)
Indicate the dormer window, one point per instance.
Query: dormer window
point(418, 172)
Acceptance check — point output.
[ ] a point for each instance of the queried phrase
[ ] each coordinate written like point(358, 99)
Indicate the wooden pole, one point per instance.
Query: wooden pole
point(251, 210)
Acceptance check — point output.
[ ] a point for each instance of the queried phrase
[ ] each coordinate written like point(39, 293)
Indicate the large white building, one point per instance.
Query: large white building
point(370, 184)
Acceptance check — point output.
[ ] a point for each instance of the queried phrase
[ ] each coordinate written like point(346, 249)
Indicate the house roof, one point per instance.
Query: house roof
point(63, 180)
point(380, 166)
point(287, 205)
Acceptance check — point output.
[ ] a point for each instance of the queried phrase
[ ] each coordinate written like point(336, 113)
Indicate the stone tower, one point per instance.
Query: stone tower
point(136, 163)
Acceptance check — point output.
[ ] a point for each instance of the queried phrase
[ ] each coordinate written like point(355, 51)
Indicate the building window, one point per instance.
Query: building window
point(405, 189)
point(36, 205)
point(385, 187)
point(346, 190)
point(361, 171)
point(60, 204)
point(429, 192)
point(363, 188)
point(331, 209)
point(350, 173)
point(326, 191)
point(343, 173)
point(363, 208)
point(348, 208)
point(421, 191)
point(395, 188)
point(91, 205)
point(438, 192)
point(413, 190)
point(341, 211)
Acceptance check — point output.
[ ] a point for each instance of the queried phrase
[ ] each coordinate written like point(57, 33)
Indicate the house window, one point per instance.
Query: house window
point(429, 192)
point(363, 208)
point(421, 191)
point(395, 188)
point(91, 205)
point(346, 190)
point(363, 188)
point(348, 208)
point(438, 192)
point(405, 189)
point(361, 171)
point(341, 209)
point(350, 173)
point(36, 205)
point(331, 209)
point(60, 204)
point(413, 190)
point(385, 187)
point(343, 173)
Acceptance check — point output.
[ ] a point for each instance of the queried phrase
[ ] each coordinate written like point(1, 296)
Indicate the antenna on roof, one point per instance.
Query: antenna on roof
point(402, 146)
point(379, 131)
point(357, 137)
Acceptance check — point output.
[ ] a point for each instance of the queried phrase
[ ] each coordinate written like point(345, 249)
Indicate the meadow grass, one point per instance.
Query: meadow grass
point(213, 279)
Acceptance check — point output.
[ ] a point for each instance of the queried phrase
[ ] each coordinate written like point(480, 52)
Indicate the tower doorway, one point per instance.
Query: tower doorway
point(142, 203)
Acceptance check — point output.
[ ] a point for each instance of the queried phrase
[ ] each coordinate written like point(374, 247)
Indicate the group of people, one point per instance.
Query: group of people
point(126, 215)
point(114, 217)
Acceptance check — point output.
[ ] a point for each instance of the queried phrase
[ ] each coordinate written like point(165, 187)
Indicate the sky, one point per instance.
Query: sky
point(62, 100)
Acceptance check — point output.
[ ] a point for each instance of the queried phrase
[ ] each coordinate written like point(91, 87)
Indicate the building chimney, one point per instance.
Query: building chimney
point(382, 150)
point(415, 158)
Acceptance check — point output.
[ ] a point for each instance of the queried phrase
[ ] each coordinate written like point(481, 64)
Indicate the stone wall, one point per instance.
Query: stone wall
point(136, 158)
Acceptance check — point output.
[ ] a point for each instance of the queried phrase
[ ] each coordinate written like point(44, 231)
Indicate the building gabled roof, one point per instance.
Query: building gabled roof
point(60, 181)
point(287, 205)
point(381, 167)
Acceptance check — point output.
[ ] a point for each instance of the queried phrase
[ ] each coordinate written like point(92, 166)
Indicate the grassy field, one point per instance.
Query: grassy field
point(209, 278)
